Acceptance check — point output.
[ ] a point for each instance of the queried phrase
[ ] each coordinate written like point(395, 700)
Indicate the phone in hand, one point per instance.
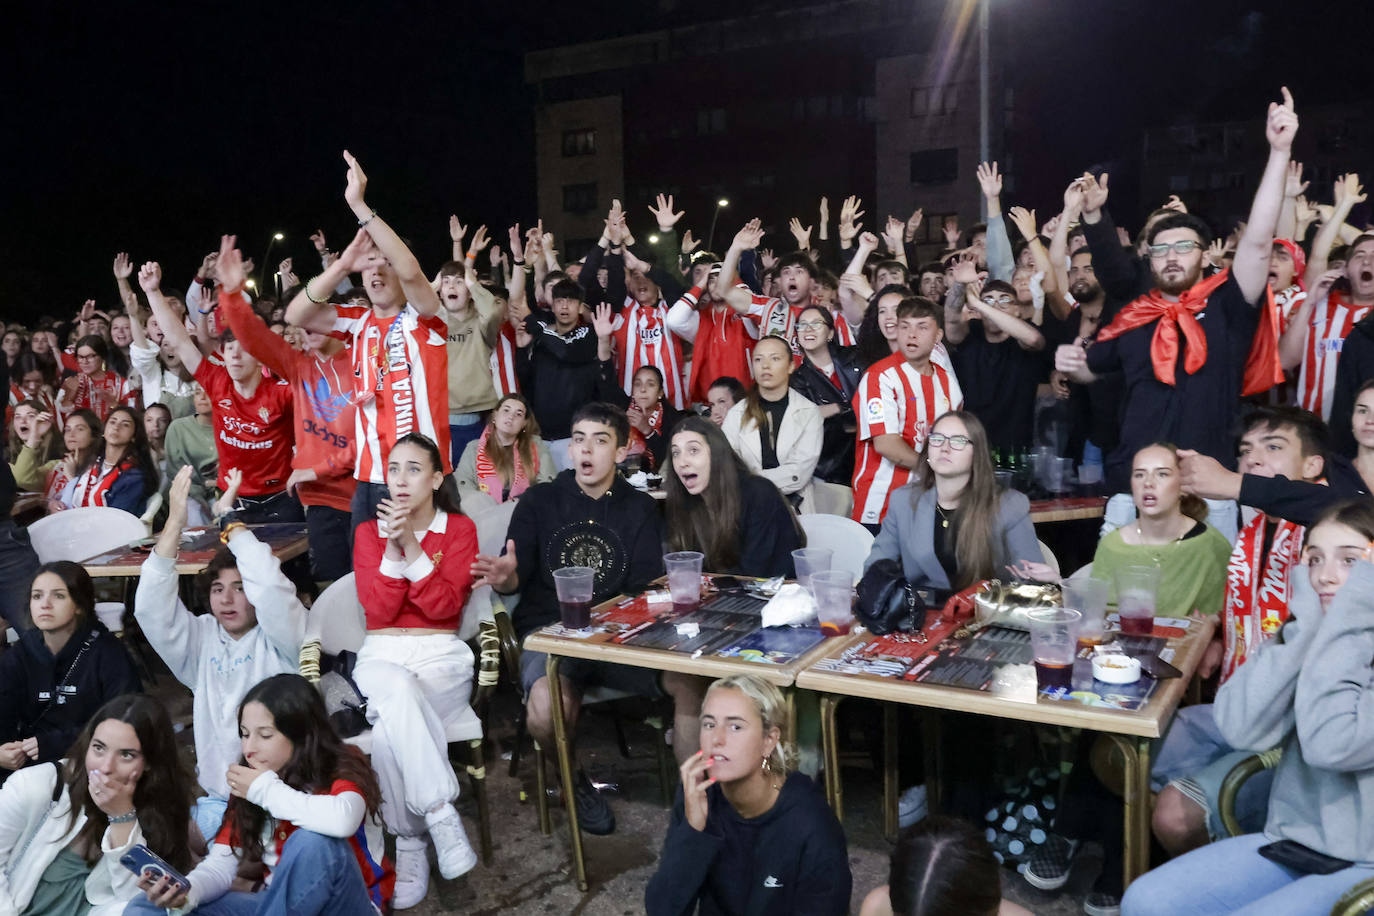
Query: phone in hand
point(143, 861)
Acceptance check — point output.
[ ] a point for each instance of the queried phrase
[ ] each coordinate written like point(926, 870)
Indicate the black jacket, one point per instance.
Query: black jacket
point(1356, 367)
point(556, 524)
point(837, 442)
point(559, 374)
point(1301, 502)
point(51, 698)
point(790, 861)
point(768, 533)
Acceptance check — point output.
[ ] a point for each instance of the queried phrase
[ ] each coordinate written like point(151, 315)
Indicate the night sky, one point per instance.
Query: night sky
point(152, 129)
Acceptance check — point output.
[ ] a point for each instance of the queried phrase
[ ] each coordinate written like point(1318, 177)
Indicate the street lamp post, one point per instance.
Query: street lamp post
point(984, 154)
point(711, 236)
point(271, 243)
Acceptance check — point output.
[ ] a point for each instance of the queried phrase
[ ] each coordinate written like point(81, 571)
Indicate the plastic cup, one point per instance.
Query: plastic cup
point(684, 579)
point(808, 560)
point(1137, 588)
point(834, 590)
point(1054, 643)
point(1088, 596)
point(575, 585)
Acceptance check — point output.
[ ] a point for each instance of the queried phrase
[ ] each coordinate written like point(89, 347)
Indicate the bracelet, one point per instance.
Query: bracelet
point(517, 263)
point(209, 310)
point(307, 291)
point(472, 255)
point(230, 529)
point(370, 217)
point(131, 815)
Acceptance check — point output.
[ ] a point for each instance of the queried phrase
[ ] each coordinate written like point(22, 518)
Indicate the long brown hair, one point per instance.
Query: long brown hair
point(978, 546)
point(754, 414)
point(318, 755)
point(500, 456)
point(163, 795)
point(710, 521)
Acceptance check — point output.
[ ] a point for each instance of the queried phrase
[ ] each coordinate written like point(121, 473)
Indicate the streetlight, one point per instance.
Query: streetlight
point(983, 152)
point(711, 236)
point(262, 268)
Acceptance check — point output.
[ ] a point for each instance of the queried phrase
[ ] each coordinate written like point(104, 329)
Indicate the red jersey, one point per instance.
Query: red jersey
point(723, 346)
point(322, 392)
point(428, 593)
point(1330, 325)
point(774, 316)
point(253, 434)
point(503, 362)
point(400, 382)
point(642, 339)
point(895, 399)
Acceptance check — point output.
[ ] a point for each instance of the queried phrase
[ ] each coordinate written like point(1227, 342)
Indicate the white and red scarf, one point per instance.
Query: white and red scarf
point(489, 479)
point(1257, 595)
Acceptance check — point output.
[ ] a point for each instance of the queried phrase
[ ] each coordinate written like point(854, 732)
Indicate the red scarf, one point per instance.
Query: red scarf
point(1262, 368)
point(490, 481)
point(93, 486)
point(638, 444)
point(1257, 598)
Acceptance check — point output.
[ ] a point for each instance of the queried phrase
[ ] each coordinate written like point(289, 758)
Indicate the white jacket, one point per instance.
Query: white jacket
point(27, 810)
point(218, 669)
point(799, 445)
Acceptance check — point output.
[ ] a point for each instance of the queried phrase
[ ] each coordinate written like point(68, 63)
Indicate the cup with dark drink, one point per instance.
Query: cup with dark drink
point(684, 579)
point(1137, 588)
point(834, 591)
point(575, 585)
point(1054, 643)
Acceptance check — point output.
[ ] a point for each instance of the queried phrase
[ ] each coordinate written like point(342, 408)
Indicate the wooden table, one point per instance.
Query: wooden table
point(1130, 731)
point(1068, 508)
point(198, 546)
point(557, 647)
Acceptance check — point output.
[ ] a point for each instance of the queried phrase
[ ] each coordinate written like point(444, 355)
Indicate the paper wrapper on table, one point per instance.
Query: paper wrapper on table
point(792, 606)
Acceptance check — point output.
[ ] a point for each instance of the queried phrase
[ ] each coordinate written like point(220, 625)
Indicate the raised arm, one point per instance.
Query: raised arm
point(746, 239)
point(1348, 192)
point(311, 309)
point(1026, 334)
point(1000, 262)
point(456, 232)
point(1251, 265)
point(173, 330)
point(1024, 221)
point(1293, 186)
point(413, 280)
point(956, 318)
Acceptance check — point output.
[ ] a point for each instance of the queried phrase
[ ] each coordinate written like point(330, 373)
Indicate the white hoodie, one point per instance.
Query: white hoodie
point(218, 669)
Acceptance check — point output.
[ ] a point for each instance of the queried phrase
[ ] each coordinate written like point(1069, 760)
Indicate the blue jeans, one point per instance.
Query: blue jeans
point(331, 542)
point(1231, 877)
point(1222, 514)
point(1195, 757)
point(317, 875)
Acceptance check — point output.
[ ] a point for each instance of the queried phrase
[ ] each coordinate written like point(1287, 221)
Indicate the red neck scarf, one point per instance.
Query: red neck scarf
point(1262, 368)
point(490, 481)
point(1257, 595)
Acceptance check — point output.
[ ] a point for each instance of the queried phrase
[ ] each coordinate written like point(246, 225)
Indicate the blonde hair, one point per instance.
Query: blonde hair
point(772, 709)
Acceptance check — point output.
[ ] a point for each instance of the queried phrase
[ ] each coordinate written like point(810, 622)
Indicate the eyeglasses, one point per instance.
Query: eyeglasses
point(958, 443)
point(1183, 247)
point(810, 325)
point(87, 356)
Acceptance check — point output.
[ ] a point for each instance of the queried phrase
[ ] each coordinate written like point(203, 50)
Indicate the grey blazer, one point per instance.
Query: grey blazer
point(906, 535)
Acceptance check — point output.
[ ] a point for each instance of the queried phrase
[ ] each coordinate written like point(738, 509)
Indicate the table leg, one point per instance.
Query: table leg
point(565, 772)
point(1136, 798)
point(829, 753)
point(890, 771)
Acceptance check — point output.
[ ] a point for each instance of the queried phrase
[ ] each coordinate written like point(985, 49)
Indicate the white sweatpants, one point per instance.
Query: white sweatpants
point(417, 690)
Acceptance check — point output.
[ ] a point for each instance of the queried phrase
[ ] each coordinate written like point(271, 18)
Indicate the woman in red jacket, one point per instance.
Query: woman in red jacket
point(413, 570)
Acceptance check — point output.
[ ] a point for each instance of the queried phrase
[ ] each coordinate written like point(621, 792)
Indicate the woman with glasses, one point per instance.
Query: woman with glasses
point(828, 376)
point(94, 387)
point(953, 526)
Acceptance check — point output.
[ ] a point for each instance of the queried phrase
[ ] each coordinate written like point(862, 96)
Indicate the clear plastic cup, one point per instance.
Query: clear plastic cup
point(1088, 596)
point(575, 585)
point(1137, 589)
point(1054, 642)
point(684, 579)
point(834, 591)
point(808, 560)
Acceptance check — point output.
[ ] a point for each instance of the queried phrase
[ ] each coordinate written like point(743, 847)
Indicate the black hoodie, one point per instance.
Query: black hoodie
point(556, 524)
point(52, 699)
point(789, 861)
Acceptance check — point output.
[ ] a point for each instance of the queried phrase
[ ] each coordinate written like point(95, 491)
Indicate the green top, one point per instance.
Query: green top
point(61, 890)
point(1192, 571)
point(191, 442)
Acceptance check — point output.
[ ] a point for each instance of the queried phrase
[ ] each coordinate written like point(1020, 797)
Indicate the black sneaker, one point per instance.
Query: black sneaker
point(1050, 864)
point(1100, 904)
point(594, 814)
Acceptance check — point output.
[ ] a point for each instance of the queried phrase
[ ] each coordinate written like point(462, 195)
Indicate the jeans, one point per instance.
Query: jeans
point(1222, 514)
point(469, 429)
point(317, 875)
point(365, 500)
point(1195, 758)
point(1230, 876)
point(331, 542)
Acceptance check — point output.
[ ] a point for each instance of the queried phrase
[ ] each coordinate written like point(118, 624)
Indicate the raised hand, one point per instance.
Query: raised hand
point(321, 246)
point(1024, 221)
point(1293, 185)
point(288, 277)
point(479, 240)
point(1216, 252)
point(233, 479)
point(603, 320)
point(767, 258)
point(1304, 212)
point(663, 212)
point(868, 241)
point(990, 180)
point(1177, 205)
point(356, 255)
point(1348, 191)
point(355, 186)
point(230, 269)
point(950, 230)
point(1282, 123)
point(825, 210)
point(456, 230)
point(696, 779)
point(150, 277)
point(1094, 192)
point(850, 224)
point(689, 244)
point(1322, 288)
point(913, 222)
point(801, 233)
point(633, 262)
point(514, 239)
point(749, 237)
point(892, 234)
point(178, 494)
point(123, 267)
point(966, 268)
point(41, 425)
point(1050, 226)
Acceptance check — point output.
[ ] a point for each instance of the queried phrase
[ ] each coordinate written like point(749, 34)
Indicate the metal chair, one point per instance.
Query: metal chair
point(336, 623)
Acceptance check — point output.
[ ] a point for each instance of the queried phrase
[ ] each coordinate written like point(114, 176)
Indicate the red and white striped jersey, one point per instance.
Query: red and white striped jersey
point(641, 339)
point(1326, 335)
point(845, 336)
point(894, 399)
point(503, 362)
point(774, 316)
point(400, 382)
point(1288, 301)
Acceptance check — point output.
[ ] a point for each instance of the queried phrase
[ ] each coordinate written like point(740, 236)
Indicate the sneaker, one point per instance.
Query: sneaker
point(594, 813)
point(1100, 904)
point(455, 854)
point(1049, 865)
point(911, 806)
point(412, 872)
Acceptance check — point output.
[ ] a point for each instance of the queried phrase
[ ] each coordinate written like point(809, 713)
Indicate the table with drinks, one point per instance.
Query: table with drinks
point(708, 626)
point(1087, 674)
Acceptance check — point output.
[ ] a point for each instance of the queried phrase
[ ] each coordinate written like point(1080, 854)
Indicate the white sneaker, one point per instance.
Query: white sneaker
point(456, 855)
point(911, 806)
point(412, 872)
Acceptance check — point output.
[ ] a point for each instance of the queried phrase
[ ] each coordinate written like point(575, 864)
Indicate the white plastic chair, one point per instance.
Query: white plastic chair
point(1050, 559)
point(79, 534)
point(850, 542)
point(830, 498)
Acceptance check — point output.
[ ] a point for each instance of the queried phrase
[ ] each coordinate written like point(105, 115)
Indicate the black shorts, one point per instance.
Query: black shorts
point(586, 673)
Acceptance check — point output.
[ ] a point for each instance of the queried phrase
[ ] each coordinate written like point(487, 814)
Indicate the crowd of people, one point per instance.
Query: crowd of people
point(1216, 384)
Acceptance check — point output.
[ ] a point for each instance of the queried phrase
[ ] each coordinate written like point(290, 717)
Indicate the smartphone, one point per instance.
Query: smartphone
point(143, 861)
point(725, 583)
point(1301, 859)
point(1157, 668)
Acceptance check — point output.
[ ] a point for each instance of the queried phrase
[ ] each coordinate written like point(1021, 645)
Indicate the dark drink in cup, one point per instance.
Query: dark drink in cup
point(1050, 675)
point(1137, 626)
point(577, 615)
point(830, 628)
point(685, 607)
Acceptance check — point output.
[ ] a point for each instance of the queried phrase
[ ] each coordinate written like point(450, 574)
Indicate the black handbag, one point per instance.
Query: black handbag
point(887, 601)
point(343, 701)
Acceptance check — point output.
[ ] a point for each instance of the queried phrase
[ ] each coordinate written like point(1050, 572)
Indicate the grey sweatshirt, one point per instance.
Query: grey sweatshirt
point(1311, 689)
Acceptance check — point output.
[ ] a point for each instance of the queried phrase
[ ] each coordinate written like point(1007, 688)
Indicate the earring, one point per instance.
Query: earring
point(764, 766)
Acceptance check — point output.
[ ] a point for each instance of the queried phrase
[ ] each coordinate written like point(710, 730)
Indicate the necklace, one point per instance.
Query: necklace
point(1141, 538)
point(944, 519)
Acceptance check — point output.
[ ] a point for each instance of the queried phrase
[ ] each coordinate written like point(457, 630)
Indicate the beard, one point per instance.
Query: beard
point(1084, 290)
point(1184, 282)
